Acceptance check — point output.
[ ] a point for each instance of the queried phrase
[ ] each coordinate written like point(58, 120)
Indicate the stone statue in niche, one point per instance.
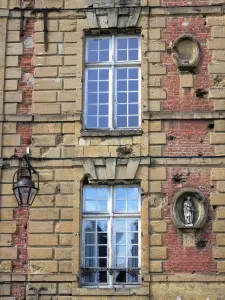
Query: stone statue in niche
point(188, 212)
point(189, 209)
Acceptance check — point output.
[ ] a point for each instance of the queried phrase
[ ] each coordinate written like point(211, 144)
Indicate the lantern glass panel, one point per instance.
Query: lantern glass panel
point(17, 195)
point(25, 193)
point(33, 193)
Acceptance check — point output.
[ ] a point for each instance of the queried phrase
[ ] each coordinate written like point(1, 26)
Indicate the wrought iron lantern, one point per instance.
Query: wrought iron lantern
point(24, 188)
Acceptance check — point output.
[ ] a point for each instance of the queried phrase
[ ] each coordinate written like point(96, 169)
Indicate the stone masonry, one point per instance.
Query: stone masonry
point(181, 144)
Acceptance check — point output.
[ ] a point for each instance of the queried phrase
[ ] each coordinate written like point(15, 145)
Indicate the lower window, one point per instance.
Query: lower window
point(111, 235)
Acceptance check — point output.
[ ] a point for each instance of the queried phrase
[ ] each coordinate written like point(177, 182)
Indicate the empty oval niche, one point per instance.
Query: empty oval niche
point(186, 53)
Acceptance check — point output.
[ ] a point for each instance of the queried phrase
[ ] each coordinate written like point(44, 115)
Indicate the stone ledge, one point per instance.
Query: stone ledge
point(173, 115)
point(136, 290)
point(184, 278)
point(110, 133)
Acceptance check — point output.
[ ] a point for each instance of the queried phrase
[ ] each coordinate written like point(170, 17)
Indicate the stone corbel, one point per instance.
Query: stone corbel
point(112, 18)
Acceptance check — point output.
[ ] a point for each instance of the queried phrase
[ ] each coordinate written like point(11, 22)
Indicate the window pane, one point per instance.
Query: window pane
point(122, 97)
point(133, 43)
point(93, 44)
point(120, 238)
point(98, 50)
point(121, 262)
point(121, 276)
point(90, 251)
point(126, 199)
point(122, 43)
point(102, 238)
point(90, 262)
point(92, 56)
point(127, 92)
point(95, 199)
point(97, 93)
point(102, 226)
point(90, 226)
point(133, 55)
point(133, 121)
point(127, 49)
point(122, 74)
point(92, 74)
point(89, 238)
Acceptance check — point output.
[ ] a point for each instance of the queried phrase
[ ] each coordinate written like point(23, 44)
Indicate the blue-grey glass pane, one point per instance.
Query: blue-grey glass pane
point(133, 85)
point(120, 238)
point(132, 205)
point(133, 121)
point(120, 276)
point(102, 205)
point(132, 278)
point(121, 73)
point(132, 193)
point(92, 98)
point(133, 73)
point(121, 109)
point(103, 86)
point(121, 122)
point(132, 238)
point(121, 262)
point(122, 85)
point(104, 44)
point(92, 122)
point(89, 226)
point(133, 97)
point(122, 43)
point(93, 44)
point(133, 43)
point(101, 226)
point(90, 205)
point(92, 74)
point(102, 276)
point(120, 193)
point(132, 225)
point(121, 97)
point(120, 226)
point(102, 251)
point(90, 262)
point(120, 205)
point(103, 98)
point(90, 278)
point(103, 110)
point(90, 251)
point(132, 262)
point(132, 250)
point(92, 86)
point(103, 122)
point(103, 56)
point(92, 56)
point(122, 55)
point(133, 55)
point(103, 74)
point(89, 238)
point(102, 262)
point(92, 110)
point(90, 193)
point(133, 109)
point(103, 193)
point(102, 238)
point(120, 250)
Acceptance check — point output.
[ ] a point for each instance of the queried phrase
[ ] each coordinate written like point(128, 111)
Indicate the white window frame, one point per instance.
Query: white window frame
point(112, 64)
point(112, 217)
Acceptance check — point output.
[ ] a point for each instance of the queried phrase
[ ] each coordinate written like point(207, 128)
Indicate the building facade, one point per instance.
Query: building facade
point(121, 104)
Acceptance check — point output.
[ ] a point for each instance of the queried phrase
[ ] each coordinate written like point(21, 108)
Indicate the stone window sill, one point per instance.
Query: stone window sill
point(110, 133)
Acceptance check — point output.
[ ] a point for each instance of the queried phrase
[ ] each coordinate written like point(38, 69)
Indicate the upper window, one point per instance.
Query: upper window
point(111, 235)
point(112, 83)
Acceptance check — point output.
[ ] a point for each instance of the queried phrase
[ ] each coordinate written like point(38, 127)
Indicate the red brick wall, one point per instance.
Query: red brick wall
point(184, 99)
point(187, 138)
point(21, 215)
point(188, 259)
